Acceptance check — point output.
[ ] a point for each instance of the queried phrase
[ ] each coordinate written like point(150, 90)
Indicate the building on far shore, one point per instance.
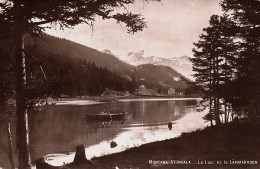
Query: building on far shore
point(142, 88)
point(171, 91)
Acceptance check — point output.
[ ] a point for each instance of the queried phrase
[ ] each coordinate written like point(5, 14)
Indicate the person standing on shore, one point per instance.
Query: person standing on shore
point(170, 125)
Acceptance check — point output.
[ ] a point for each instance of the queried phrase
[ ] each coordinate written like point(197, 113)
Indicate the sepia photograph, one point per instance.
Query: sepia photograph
point(129, 84)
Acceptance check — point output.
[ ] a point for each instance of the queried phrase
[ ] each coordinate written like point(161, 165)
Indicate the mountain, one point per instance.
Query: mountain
point(80, 70)
point(158, 77)
point(51, 45)
point(181, 64)
point(156, 72)
point(78, 77)
point(135, 58)
point(67, 70)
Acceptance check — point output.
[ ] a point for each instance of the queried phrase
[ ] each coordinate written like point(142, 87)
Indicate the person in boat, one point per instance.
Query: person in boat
point(103, 111)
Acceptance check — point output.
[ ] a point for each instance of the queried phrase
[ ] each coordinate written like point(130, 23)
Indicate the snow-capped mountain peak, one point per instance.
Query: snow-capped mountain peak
point(181, 64)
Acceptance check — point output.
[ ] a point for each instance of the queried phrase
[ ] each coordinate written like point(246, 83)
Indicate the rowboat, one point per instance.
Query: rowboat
point(106, 116)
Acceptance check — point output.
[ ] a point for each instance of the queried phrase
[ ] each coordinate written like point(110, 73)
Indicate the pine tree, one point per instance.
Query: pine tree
point(30, 16)
point(212, 56)
point(246, 15)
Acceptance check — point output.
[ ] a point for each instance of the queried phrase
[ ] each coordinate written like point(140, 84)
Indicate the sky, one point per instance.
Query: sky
point(173, 27)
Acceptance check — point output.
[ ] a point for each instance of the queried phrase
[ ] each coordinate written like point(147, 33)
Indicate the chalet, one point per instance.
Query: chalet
point(171, 91)
point(142, 88)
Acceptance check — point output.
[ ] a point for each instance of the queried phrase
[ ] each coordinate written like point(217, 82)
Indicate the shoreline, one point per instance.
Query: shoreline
point(233, 145)
point(95, 100)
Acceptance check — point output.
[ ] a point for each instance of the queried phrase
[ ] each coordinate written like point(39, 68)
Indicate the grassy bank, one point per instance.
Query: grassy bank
point(235, 144)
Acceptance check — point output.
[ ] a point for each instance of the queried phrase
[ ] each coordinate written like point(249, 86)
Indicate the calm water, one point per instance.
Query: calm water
point(56, 130)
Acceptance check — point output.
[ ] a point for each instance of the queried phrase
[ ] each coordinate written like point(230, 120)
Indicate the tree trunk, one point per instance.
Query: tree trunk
point(216, 113)
point(210, 94)
point(215, 95)
point(217, 89)
point(228, 111)
point(10, 145)
point(24, 160)
point(80, 156)
point(225, 109)
point(210, 107)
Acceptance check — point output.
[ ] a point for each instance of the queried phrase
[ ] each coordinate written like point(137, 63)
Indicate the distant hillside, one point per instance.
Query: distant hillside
point(56, 46)
point(78, 77)
point(158, 76)
point(66, 71)
point(81, 70)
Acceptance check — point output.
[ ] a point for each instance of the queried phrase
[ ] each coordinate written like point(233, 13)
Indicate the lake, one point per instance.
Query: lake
point(56, 130)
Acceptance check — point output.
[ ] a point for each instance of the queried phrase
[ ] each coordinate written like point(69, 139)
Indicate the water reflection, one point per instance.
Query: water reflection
point(58, 129)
